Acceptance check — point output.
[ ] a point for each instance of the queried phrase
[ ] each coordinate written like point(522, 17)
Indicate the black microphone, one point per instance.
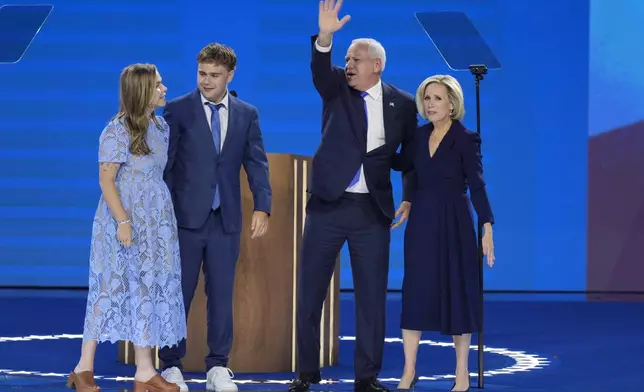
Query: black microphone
point(233, 93)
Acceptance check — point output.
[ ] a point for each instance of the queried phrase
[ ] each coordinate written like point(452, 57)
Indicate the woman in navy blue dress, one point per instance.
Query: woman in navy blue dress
point(441, 290)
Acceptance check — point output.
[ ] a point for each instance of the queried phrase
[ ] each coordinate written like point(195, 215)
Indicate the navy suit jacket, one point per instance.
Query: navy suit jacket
point(194, 168)
point(344, 135)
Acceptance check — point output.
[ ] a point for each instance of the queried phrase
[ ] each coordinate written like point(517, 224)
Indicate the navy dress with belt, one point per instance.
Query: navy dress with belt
point(441, 290)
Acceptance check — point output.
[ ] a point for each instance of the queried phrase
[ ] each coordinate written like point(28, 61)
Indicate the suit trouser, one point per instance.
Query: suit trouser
point(219, 252)
point(356, 219)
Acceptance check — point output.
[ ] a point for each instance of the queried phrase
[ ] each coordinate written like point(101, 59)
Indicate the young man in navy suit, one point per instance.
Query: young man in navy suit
point(212, 135)
point(364, 122)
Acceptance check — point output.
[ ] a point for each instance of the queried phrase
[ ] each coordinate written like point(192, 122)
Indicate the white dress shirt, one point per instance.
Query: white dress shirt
point(375, 125)
point(223, 116)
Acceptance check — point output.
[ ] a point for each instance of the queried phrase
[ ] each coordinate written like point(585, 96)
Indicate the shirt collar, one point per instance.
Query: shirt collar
point(376, 91)
point(224, 101)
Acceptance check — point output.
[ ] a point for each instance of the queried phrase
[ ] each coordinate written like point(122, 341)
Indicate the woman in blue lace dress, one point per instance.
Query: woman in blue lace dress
point(135, 270)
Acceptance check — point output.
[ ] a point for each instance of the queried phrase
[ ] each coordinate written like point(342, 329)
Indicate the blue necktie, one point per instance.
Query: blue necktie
point(356, 178)
point(216, 138)
point(215, 124)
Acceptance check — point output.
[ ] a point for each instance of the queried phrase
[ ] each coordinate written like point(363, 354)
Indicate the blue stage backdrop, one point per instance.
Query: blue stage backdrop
point(615, 145)
point(56, 101)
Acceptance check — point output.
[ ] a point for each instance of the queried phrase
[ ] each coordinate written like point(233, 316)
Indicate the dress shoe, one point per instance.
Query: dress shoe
point(469, 384)
point(369, 385)
point(303, 381)
point(412, 386)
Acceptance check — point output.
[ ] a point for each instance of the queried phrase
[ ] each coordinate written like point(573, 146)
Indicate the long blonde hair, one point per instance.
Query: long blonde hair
point(137, 85)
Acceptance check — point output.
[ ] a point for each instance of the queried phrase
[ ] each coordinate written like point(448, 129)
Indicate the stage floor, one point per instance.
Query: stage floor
point(534, 343)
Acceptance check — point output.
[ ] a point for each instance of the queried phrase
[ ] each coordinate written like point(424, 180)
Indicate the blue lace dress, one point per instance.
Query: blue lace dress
point(135, 293)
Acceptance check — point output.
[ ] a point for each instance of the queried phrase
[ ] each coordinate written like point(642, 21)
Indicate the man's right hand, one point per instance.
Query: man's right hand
point(328, 17)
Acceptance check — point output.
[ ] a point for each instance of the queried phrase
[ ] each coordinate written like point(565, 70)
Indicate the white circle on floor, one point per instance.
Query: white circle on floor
point(524, 362)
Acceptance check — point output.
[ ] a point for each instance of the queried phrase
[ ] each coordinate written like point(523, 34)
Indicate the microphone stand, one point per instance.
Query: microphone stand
point(478, 71)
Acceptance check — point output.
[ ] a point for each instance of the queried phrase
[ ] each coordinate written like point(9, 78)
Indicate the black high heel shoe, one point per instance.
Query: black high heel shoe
point(411, 386)
point(469, 385)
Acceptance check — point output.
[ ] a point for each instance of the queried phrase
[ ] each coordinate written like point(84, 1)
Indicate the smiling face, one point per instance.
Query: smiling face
point(158, 96)
point(361, 70)
point(212, 80)
point(436, 104)
point(141, 90)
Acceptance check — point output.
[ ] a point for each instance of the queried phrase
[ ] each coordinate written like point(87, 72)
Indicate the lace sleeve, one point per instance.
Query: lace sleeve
point(114, 144)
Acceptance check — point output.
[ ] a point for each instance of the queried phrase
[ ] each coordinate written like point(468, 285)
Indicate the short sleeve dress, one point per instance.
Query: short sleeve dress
point(135, 292)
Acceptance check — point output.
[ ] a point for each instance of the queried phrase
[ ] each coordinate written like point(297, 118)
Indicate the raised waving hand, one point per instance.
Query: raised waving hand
point(328, 21)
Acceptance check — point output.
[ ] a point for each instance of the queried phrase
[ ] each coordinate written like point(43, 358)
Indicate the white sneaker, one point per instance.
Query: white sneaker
point(174, 375)
point(219, 379)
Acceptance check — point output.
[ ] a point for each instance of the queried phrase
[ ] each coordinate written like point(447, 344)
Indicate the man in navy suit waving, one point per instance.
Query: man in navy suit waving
point(212, 135)
point(364, 122)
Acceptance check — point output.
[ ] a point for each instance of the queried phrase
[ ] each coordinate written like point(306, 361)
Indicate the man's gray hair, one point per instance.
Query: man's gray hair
point(376, 50)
